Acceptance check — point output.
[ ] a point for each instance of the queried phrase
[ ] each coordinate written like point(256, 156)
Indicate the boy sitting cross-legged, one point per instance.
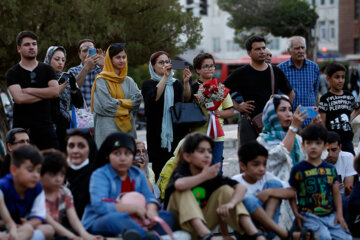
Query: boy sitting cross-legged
point(264, 190)
point(59, 200)
point(23, 194)
point(316, 184)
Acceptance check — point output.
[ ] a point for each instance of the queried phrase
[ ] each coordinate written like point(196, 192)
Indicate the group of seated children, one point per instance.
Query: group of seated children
point(197, 197)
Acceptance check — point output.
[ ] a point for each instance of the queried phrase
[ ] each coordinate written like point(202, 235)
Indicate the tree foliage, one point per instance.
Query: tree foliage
point(146, 26)
point(281, 18)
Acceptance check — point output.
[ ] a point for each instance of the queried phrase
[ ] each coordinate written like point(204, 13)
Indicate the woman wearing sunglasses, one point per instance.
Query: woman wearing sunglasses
point(114, 96)
point(160, 93)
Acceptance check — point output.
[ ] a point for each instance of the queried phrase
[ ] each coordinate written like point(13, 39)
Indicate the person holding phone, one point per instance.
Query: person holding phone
point(114, 96)
point(92, 63)
point(160, 93)
point(69, 93)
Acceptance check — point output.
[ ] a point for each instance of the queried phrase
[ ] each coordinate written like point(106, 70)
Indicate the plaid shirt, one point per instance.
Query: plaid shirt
point(305, 82)
point(89, 80)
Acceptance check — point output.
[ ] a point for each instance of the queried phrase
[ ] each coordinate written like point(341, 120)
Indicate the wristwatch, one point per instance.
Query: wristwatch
point(293, 129)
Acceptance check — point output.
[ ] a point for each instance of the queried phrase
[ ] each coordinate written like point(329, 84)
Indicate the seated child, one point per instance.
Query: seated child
point(142, 161)
point(104, 214)
point(316, 184)
point(13, 232)
point(23, 194)
point(264, 190)
point(208, 196)
point(354, 203)
point(59, 200)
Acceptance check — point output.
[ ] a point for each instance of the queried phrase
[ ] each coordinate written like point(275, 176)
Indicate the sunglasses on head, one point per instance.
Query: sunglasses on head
point(118, 45)
point(71, 131)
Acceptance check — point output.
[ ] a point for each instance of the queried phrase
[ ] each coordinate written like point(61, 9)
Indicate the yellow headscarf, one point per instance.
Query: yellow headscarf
point(122, 117)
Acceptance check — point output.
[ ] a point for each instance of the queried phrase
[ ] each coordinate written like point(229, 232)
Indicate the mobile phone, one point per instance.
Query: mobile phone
point(92, 51)
point(63, 78)
point(311, 111)
point(178, 65)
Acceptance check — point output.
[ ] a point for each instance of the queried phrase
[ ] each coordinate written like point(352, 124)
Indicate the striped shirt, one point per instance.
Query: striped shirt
point(305, 82)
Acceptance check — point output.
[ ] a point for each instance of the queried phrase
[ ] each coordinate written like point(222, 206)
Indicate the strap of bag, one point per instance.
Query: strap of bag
point(73, 122)
point(272, 79)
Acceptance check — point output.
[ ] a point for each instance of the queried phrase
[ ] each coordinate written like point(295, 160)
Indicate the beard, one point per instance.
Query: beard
point(29, 57)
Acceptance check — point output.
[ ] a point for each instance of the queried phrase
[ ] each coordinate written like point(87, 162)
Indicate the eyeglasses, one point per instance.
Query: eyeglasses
point(118, 45)
point(138, 151)
point(23, 141)
point(32, 77)
point(208, 67)
point(162, 62)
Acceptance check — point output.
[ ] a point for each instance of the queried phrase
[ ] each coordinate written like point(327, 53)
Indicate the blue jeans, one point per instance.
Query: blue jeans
point(324, 227)
point(217, 154)
point(252, 203)
point(115, 223)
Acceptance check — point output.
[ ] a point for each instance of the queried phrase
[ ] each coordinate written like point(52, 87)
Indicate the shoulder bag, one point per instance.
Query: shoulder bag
point(187, 115)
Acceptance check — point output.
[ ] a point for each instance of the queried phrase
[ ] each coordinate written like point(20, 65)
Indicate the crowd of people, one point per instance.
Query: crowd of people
point(299, 171)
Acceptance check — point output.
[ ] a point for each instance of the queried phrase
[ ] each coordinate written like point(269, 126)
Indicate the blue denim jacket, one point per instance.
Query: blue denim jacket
point(105, 183)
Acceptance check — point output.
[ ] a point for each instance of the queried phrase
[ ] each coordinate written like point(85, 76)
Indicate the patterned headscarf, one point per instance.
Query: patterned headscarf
point(273, 133)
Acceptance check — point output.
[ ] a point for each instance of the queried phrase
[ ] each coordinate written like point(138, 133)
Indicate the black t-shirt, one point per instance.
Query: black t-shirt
point(338, 109)
point(256, 85)
point(204, 190)
point(36, 114)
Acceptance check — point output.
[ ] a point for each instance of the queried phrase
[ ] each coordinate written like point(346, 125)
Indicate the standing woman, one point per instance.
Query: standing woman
point(160, 93)
point(114, 96)
point(69, 93)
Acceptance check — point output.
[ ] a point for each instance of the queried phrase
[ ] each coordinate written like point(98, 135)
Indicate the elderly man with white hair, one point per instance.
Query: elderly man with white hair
point(302, 74)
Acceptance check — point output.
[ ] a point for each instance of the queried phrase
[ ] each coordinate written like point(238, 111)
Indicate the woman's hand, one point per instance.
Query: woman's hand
point(298, 117)
point(166, 70)
point(187, 75)
point(62, 87)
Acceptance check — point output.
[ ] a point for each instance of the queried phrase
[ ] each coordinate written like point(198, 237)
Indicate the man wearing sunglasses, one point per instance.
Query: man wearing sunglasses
point(90, 66)
point(32, 84)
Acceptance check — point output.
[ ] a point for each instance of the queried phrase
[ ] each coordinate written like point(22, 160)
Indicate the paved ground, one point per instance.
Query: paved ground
point(231, 166)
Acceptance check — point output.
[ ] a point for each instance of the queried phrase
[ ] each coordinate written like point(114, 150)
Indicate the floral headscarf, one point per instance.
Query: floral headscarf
point(273, 133)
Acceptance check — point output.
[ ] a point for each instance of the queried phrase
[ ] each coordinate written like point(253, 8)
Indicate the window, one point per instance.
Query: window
point(216, 45)
point(322, 2)
point(274, 44)
point(189, 2)
point(332, 1)
point(323, 30)
point(313, 3)
point(332, 34)
point(357, 10)
point(356, 46)
point(231, 46)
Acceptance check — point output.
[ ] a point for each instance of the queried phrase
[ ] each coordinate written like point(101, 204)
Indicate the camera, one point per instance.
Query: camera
point(356, 105)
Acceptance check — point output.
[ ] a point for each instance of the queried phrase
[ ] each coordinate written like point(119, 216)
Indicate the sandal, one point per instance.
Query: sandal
point(254, 236)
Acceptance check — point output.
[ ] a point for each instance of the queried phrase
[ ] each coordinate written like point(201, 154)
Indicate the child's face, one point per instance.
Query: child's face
point(201, 157)
point(27, 175)
point(53, 181)
point(77, 149)
point(121, 160)
point(207, 69)
point(255, 169)
point(314, 148)
point(337, 80)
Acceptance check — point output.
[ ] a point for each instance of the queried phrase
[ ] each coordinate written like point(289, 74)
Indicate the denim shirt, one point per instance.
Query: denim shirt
point(106, 184)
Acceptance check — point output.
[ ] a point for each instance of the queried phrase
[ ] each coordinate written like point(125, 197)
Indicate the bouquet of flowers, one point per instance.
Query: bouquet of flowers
point(210, 95)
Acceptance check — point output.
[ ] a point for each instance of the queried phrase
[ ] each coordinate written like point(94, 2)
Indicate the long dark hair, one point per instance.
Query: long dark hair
point(84, 133)
point(191, 143)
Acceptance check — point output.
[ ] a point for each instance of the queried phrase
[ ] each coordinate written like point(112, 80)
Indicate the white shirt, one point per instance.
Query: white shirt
point(255, 188)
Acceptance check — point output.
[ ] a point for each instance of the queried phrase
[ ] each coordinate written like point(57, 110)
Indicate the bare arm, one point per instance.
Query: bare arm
point(34, 222)
point(290, 136)
point(187, 89)
point(187, 183)
point(76, 224)
point(354, 114)
point(226, 113)
point(89, 63)
point(238, 196)
point(323, 119)
point(348, 184)
point(338, 207)
point(52, 91)
point(20, 97)
point(59, 229)
point(280, 193)
point(5, 216)
point(291, 96)
point(166, 70)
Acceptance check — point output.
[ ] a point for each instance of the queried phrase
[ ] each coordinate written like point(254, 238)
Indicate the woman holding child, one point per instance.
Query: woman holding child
point(114, 96)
